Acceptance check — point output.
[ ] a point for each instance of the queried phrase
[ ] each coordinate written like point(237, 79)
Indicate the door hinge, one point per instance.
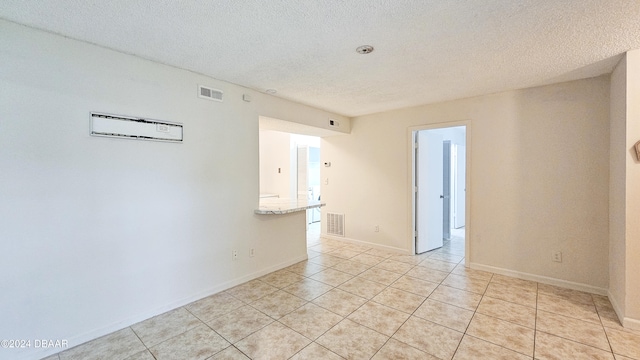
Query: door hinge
point(415, 145)
point(415, 189)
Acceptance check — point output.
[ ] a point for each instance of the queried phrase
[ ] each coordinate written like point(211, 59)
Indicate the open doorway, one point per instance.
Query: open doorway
point(289, 157)
point(439, 176)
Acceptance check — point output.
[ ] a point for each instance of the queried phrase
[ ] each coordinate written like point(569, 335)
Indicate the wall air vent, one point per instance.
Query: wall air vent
point(335, 224)
point(210, 93)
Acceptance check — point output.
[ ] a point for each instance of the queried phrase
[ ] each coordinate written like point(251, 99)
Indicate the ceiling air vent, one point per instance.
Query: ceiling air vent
point(209, 93)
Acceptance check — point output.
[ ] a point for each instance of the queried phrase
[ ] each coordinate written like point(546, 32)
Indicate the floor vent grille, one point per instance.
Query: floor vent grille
point(335, 224)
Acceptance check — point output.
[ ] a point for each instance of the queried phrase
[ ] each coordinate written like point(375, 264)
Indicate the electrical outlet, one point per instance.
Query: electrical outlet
point(234, 254)
point(557, 256)
point(252, 252)
point(377, 228)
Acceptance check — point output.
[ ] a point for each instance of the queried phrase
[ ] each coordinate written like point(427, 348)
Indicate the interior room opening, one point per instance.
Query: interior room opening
point(440, 190)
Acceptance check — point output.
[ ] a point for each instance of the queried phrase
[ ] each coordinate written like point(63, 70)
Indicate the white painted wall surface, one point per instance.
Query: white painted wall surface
point(275, 153)
point(99, 233)
point(632, 311)
point(617, 187)
point(539, 178)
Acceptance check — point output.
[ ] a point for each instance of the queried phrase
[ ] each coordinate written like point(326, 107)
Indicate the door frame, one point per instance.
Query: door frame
point(411, 180)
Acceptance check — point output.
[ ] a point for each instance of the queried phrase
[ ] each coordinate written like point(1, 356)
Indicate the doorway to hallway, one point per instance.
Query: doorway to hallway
point(439, 185)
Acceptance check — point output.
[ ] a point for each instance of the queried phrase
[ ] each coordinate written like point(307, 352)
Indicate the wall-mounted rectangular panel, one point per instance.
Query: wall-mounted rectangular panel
point(134, 128)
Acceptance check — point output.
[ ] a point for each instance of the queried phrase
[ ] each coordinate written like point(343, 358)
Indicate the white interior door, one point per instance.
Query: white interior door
point(460, 186)
point(429, 195)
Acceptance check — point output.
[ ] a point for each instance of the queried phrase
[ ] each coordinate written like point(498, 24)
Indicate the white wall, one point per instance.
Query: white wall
point(99, 233)
point(275, 153)
point(624, 194)
point(538, 180)
point(617, 188)
point(632, 310)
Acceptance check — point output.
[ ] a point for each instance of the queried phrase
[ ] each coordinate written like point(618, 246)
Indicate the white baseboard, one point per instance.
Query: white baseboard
point(119, 325)
point(541, 279)
point(369, 244)
point(629, 323)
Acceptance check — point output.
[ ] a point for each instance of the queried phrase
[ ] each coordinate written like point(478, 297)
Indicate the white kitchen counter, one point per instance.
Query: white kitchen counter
point(280, 206)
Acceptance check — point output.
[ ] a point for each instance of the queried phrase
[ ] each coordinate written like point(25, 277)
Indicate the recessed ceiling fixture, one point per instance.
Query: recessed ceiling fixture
point(364, 49)
point(271, 91)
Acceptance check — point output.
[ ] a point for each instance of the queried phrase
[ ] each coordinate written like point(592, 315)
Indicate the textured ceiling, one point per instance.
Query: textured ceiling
point(425, 50)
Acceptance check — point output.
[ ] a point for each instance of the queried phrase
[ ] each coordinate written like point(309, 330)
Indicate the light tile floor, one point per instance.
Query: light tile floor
point(354, 302)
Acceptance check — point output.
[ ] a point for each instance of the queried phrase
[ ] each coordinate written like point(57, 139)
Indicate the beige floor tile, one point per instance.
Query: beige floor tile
point(305, 268)
point(198, 343)
point(443, 314)
point(312, 254)
point(472, 348)
point(504, 310)
point(550, 347)
point(470, 284)
point(143, 355)
point(409, 259)
point(395, 266)
point(423, 273)
point(513, 282)
point(162, 327)
point(368, 259)
point(437, 265)
point(601, 301)
point(117, 345)
point(624, 343)
point(351, 267)
point(363, 288)
point(278, 304)
point(345, 253)
point(394, 350)
point(281, 278)
point(574, 295)
point(399, 299)
point(219, 304)
point(356, 247)
point(327, 260)
point(448, 257)
point(380, 318)
point(311, 320)
point(340, 302)
point(609, 319)
point(512, 294)
point(308, 289)
point(240, 323)
point(620, 357)
point(380, 275)
point(249, 291)
point(316, 352)
point(414, 285)
point(573, 329)
point(456, 297)
point(323, 248)
point(332, 277)
point(380, 253)
point(274, 341)
point(568, 307)
point(230, 353)
point(512, 336)
point(477, 274)
point(429, 337)
point(352, 341)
